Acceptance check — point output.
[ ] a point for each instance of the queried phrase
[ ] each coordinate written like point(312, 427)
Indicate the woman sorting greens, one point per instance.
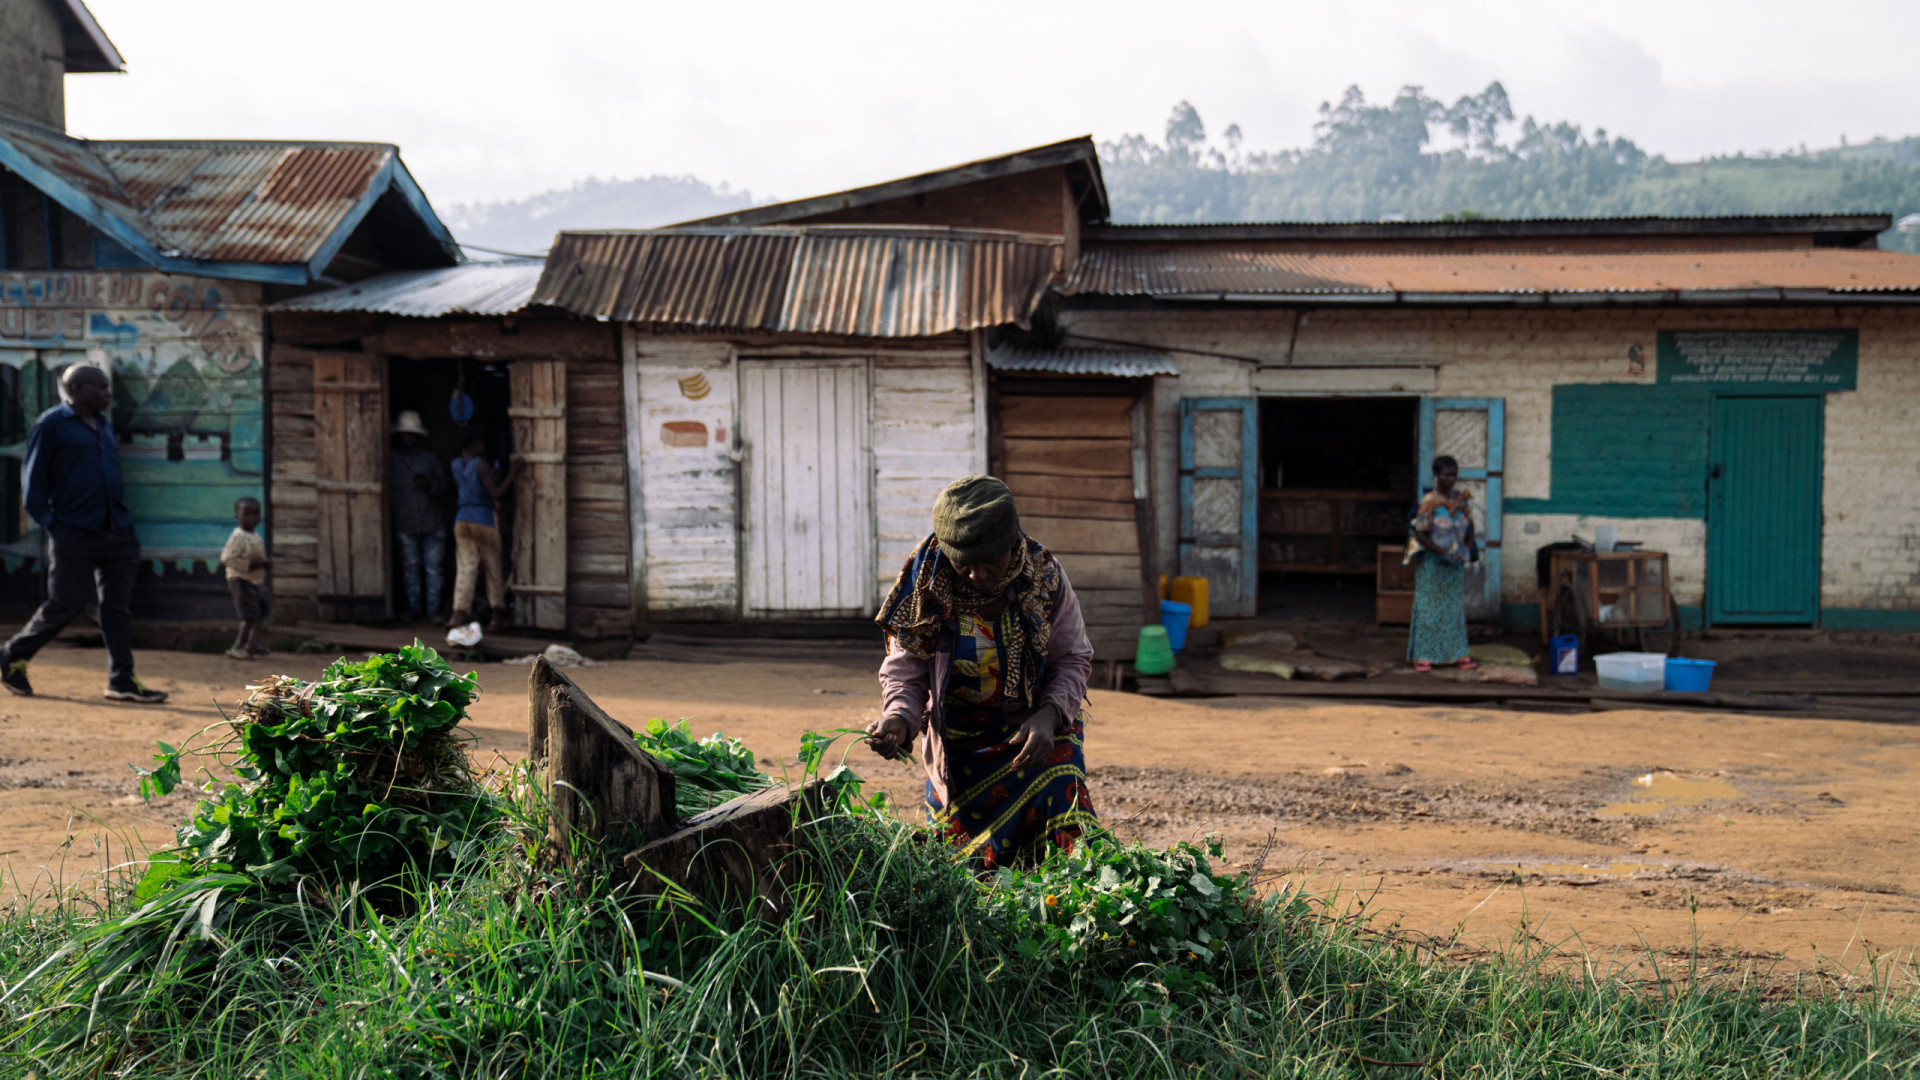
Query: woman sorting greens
point(1440, 547)
point(987, 664)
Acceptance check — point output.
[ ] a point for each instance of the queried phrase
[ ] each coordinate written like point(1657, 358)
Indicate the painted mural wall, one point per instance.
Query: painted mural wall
point(184, 355)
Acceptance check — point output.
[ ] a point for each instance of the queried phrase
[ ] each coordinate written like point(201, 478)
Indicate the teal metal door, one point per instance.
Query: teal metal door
point(1763, 510)
point(1219, 531)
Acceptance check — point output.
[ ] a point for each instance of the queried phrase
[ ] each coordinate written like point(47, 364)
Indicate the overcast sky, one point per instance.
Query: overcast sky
point(492, 100)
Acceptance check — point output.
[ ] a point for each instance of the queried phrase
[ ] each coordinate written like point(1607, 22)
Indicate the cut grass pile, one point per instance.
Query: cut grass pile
point(890, 959)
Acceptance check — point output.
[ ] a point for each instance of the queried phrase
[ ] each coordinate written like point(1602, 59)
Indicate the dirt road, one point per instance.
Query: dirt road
point(1782, 842)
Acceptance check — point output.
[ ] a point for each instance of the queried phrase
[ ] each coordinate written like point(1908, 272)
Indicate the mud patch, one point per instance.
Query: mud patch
point(1663, 790)
point(1182, 802)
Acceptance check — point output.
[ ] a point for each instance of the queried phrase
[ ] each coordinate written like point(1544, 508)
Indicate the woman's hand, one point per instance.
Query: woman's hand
point(1035, 738)
point(888, 735)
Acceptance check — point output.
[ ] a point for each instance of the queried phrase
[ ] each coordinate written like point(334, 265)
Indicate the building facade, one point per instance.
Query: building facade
point(154, 260)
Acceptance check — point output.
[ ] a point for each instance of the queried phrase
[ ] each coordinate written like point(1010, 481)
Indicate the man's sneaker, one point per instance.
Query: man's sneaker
point(136, 693)
point(15, 678)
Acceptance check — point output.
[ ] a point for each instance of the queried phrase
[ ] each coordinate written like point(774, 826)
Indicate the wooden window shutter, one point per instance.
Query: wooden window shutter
point(539, 410)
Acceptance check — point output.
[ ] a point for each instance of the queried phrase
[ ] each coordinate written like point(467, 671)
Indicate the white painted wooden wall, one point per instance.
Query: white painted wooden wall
point(807, 519)
point(924, 438)
point(924, 430)
point(687, 495)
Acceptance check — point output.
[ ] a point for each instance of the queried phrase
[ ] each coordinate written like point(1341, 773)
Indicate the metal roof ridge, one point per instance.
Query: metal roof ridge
point(238, 144)
point(1079, 149)
point(1095, 250)
point(834, 231)
point(1854, 222)
point(1479, 221)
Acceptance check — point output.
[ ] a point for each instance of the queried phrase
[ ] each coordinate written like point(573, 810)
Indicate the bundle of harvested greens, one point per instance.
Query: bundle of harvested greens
point(707, 772)
point(354, 777)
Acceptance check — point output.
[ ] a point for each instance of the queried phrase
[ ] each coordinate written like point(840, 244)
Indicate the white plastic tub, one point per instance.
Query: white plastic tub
point(1637, 671)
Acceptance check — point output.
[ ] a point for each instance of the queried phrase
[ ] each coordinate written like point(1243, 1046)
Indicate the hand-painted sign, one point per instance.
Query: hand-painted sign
point(74, 310)
point(1760, 359)
point(185, 358)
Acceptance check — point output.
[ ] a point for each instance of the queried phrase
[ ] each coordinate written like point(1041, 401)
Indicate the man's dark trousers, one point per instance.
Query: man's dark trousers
point(87, 564)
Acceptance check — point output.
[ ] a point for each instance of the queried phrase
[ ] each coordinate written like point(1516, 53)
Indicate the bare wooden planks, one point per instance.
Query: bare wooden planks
point(538, 409)
point(293, 505)
point(1082, 536)
point(599, 549)
point(1055, 417)
point(1026, 485)
point(1070, 457)
point(1069, 461)
point(349, 477)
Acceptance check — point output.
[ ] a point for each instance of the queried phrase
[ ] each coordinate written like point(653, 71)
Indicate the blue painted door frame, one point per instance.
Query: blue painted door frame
point(1219, 500)
point(1483, 578)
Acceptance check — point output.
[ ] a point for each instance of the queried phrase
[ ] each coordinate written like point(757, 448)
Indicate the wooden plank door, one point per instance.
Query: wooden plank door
point(1472, 431)
point(1763, 510)
point(1069, 461)
point(808, 520)
point(1219, 530)
point(538, 406)
point(350, 469)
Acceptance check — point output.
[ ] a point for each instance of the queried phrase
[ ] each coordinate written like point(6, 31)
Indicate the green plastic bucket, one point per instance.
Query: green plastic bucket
point(1155, 653)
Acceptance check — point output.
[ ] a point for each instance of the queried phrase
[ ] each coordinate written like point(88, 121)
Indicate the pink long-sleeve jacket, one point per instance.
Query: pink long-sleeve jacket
point(913, 689)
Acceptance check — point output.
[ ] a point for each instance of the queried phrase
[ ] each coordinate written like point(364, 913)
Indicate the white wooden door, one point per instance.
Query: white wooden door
point(808, 519)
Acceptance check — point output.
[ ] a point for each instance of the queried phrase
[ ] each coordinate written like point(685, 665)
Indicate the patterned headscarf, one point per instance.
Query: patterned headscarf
point(929, 592)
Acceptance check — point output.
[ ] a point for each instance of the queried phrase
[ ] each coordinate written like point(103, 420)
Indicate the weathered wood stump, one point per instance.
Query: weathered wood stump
point(604, 789)
point(601, 787)
point(740, 853)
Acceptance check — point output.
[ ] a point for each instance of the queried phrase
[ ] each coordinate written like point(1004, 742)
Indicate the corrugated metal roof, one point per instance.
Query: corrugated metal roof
point(217, 202)
point(1202, 271)
point(1122, 363)
point(490, 288)
point(861, 281)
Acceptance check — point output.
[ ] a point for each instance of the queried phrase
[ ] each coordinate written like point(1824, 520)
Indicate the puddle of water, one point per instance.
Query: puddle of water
point(1665, 790)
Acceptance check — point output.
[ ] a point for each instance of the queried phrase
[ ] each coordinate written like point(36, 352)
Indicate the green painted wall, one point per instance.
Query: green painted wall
point(1627, 451)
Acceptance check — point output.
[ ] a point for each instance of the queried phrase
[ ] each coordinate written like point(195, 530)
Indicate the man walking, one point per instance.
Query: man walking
point(75, 492)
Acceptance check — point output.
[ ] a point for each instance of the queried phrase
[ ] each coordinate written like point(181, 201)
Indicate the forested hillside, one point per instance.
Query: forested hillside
point(1413, 157)
point(1418, 158)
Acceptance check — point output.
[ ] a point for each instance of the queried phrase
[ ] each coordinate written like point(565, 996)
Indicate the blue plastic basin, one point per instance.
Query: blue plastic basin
point(1688, 676)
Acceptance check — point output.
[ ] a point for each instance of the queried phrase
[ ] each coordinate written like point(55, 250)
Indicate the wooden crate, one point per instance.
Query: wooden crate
point(1392, 586)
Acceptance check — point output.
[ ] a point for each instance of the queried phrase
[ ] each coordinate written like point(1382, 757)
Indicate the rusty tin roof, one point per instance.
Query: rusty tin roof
point(272, 211)
point(1226, 272)
point(860, 281)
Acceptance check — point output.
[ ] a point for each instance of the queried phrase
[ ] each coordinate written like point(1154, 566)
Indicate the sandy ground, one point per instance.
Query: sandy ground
point(1779, 843)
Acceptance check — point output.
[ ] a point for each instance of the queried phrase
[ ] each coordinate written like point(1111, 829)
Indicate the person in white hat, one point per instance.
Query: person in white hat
point(417, 484)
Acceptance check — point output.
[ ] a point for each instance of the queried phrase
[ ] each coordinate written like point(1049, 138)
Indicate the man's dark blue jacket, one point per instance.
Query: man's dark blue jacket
point(73, 473)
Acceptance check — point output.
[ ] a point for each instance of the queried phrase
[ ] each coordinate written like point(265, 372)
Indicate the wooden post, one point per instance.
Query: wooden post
point(740, 852)
point(601, 786)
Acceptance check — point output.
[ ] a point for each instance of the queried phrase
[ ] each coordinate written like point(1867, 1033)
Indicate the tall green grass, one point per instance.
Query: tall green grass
point(890, 960)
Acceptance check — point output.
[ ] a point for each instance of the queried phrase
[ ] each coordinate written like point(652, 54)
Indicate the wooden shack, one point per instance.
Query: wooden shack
point(545, 387)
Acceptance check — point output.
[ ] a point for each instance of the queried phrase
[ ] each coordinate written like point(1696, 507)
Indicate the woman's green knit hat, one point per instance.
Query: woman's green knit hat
point(974, 520)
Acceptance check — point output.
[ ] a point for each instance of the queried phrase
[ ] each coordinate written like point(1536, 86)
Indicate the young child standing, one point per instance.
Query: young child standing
point(245, 558)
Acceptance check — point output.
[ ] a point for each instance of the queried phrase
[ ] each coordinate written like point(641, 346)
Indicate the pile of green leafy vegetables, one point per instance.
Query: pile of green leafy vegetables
point(353, 778)
point(707, 772)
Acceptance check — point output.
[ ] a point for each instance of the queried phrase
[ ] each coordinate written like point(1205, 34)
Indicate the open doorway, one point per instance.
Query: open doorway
point(1337, 478)
point(427, 387)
